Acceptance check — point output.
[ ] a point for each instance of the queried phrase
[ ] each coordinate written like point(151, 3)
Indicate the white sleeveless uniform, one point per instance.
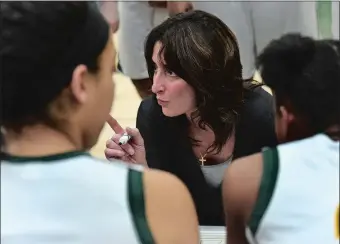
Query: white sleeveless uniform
point(298, 199)
point(71, 198)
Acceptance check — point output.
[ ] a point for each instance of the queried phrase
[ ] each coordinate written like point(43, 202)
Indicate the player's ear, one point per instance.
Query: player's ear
point(286, 116)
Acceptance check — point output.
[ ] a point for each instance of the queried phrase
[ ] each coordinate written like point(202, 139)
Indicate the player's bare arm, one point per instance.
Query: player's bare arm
point(240, 188)
point(170, 210)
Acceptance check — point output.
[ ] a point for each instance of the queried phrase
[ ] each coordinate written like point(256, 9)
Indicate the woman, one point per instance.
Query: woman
point(57, 62)
point(203, 114)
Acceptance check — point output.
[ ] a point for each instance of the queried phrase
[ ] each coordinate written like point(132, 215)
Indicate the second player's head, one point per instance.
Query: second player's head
point(57, 62)
point(304, 75)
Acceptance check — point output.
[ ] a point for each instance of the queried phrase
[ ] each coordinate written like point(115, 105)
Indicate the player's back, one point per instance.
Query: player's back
point(75, 198)
point(70, 198)
point(298, 200)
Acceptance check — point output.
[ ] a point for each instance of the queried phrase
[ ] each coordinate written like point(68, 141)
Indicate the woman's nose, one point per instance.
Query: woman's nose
point(157, 84)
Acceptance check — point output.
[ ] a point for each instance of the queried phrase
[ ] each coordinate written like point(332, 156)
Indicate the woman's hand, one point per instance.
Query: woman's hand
point(131, 152)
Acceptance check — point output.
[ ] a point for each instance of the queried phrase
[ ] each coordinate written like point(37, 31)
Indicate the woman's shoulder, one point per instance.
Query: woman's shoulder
point(256, 128)
point(259, 102)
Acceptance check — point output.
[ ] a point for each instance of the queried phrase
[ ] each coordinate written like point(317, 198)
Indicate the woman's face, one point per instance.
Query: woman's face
point(174, 95)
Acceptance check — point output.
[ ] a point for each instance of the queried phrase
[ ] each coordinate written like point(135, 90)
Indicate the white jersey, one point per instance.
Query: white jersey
point(71, 198)
point(298, 200)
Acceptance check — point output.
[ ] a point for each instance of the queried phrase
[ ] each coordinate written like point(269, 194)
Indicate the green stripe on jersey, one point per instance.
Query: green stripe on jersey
point(47, 158)
point(267, 186)
point(137, 206)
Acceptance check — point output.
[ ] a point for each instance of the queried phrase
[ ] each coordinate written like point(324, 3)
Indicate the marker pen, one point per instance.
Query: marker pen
point(124, 139)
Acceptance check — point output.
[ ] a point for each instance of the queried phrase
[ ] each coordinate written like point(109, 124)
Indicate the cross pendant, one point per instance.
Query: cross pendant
point(202, 160)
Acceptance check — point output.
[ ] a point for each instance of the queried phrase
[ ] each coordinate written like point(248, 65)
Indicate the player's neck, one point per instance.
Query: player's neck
point(334, 132)
point(37, 141)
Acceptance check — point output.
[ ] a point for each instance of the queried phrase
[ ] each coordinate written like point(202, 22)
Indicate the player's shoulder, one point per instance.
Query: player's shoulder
point(169, 207)
point(243, 175)
point(163, 181)
point(245, 167)
point(241, 184)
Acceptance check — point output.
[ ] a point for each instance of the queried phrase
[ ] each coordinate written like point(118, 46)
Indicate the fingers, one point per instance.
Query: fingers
point(114, 153)
point(115, 126)
point(113, 144)
point(136, 136)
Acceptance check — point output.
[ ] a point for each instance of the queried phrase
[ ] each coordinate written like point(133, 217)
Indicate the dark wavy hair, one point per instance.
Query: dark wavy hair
point(199, 48)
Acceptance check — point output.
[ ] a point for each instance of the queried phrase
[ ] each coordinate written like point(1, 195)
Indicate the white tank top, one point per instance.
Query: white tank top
point(71, 198)
point(298, 200)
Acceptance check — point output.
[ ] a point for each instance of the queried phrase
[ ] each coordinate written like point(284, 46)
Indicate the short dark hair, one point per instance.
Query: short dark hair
point(34, 38)
point(305, 73)
point(203, 51)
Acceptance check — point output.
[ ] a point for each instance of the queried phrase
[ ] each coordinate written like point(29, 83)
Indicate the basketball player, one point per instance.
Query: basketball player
point(56, 74)
point(290, 193)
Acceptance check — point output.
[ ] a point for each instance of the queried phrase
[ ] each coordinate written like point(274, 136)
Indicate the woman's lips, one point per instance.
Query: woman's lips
point(162, 102)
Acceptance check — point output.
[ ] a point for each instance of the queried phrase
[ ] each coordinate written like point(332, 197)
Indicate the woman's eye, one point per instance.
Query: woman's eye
point(155, 70)
point(170, 73)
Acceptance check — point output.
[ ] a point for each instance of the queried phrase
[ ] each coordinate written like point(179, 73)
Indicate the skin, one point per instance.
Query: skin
point(175, 96)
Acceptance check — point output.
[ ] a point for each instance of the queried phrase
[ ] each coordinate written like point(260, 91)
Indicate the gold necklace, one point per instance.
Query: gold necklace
point(202, 159)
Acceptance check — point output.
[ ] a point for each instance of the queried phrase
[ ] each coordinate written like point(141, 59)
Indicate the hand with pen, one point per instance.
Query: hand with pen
point(126, 145)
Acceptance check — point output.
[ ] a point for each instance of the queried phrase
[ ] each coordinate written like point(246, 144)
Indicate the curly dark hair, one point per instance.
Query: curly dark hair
point(35, 38)
point(199, 48)
point(305, 75)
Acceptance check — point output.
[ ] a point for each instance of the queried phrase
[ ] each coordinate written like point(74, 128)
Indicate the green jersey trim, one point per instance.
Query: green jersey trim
point(47, 158)
point(267, 187)
point(137, 206)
